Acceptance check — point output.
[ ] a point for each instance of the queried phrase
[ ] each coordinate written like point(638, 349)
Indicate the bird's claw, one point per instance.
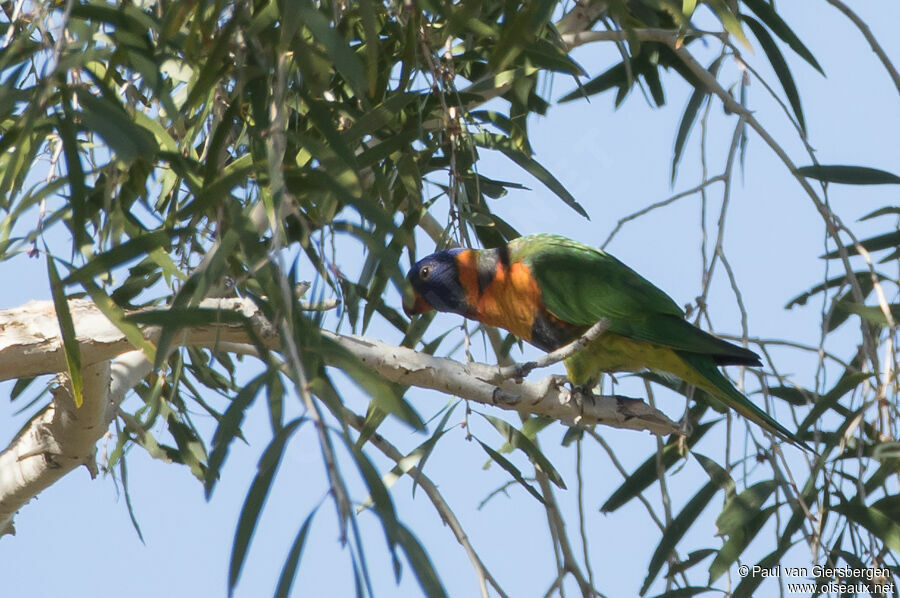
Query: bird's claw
point(579, 393)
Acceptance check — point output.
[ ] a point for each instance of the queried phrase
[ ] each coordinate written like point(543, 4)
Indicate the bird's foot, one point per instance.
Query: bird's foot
point(580, 392)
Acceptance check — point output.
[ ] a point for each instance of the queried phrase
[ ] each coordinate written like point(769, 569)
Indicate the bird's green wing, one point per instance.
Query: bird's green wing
point(581, 285)
point(677, 333)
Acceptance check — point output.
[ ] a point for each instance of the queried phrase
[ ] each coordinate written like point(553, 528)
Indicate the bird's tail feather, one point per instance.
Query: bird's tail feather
point(721, 388)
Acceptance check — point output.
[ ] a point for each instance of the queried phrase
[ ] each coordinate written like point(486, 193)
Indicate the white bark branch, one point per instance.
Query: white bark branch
point(60, 438)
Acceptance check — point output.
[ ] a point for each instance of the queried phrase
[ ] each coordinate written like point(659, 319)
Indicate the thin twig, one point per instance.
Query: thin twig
point(325, 305)
point(484, 576)
point(719, 251)
point(520, 370)
point(785, 343)
point(275, 151)
point(618, 465)
point(833, 224)
point(867, 33)
point(659, 204)
point(649, 34)
point(581, 518)
point(570, 565)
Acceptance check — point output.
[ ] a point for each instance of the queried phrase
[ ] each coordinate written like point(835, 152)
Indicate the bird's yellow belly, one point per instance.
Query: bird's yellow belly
point(614, 353)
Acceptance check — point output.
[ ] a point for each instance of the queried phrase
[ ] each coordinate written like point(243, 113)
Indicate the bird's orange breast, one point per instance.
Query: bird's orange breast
point(512, 300)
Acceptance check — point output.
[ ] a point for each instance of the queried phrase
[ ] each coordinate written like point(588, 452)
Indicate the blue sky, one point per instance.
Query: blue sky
point(76, 538)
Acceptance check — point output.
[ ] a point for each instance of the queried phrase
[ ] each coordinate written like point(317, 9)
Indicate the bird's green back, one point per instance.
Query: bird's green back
point(580, 285)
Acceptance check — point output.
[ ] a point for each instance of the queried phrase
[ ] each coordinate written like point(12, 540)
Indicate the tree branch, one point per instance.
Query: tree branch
point(60, 437)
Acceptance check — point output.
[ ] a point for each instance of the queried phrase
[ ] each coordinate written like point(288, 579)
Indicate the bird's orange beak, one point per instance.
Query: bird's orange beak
point(419, 306)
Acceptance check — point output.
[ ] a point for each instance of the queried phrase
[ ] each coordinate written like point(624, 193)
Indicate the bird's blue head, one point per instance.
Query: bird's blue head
point(436, 284)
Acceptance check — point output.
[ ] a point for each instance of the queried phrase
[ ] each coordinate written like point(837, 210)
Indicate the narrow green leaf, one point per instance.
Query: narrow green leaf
point(518, 440)
point(214, 65)
point(842, 307)
point(889, 505)
point(646, 473)
point(616, 76)
point(343, 58)
point(873, 313)
point(123, 476)
point(186, 317)
point(886, 211)
point(289, 570)
point(717, 474)
point(688, 7)
point(530, 165)
point(780, 66)
point(386, 396)
point(228, 429)
point(729, 21)
point(117, 316)
point(877, 522)
point(19, 387)
point(887, 450)
point(76, 176)
point(380, 116)
point(676, 530)
point(836, 282)
point(743, 507)
point(496, 189)
point(370, 26)
point(67, 330)
point(190, 449)
point(256, 498)
point(877, 243)
point(533, 425)
point(325, 123)
point(415, 458)
point(692, 559)
point(381, 502)
point(573, 434)
point(421, 564)
point(109, 120)
point(848, 381)
point(374, 418)
point(686, 592)
point(427, 447)
point(651, 76)
point(121, 254)
point(890, 465)
point(767, 14)
point(511, 469)
point(749, 584)
point(545, 55)
point(690, 117)
point(799, 397)
point(738, 541)
point(848, 175)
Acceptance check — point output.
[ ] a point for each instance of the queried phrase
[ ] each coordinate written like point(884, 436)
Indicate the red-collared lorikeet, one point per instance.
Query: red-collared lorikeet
point(548, 290)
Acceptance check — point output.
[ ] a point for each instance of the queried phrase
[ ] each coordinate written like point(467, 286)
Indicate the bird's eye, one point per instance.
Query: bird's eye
point(425, 272)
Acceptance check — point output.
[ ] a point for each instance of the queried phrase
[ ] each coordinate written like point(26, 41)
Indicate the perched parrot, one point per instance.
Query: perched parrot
point(548, 290)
